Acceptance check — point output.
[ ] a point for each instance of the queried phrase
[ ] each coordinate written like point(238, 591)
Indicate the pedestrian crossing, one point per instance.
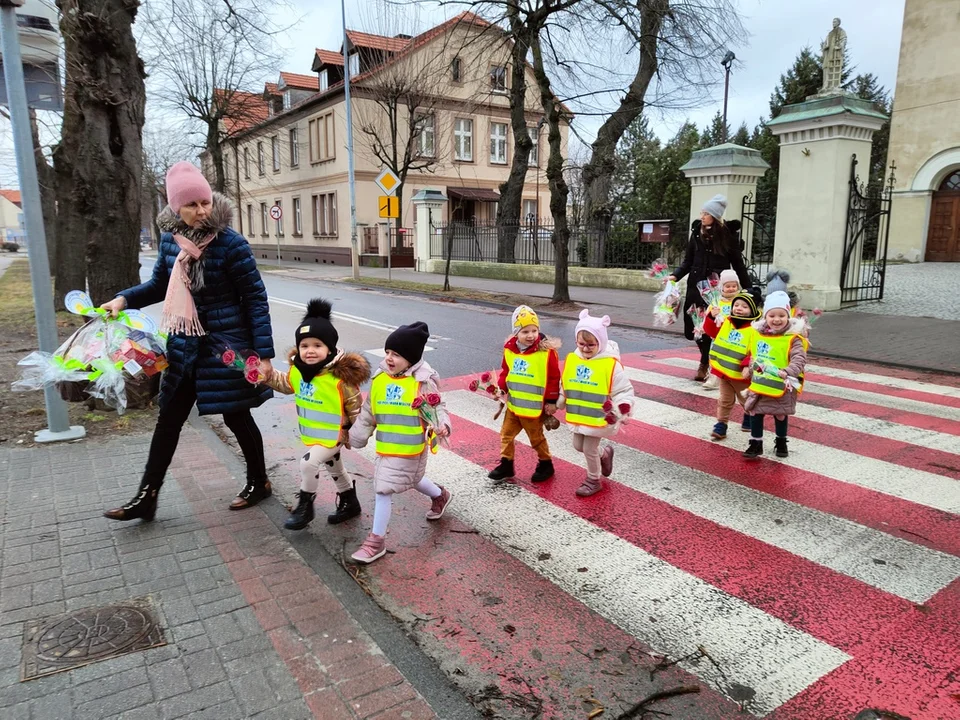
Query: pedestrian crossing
point(802, 577)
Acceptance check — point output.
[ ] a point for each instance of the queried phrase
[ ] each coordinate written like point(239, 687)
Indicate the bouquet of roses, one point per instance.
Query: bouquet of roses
point(791, 383)
point(428, 404)
point(666, 304)
point(809, 318)
point(659, 270)
point(486, 384)
point(697, 314)
point(247, 362)
point(710, 290)
point(616, 414)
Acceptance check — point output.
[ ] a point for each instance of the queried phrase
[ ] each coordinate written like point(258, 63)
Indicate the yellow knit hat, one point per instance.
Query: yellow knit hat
point(524, 316)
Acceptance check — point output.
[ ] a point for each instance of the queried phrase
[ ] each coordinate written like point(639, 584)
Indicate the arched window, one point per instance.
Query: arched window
point(951, 183)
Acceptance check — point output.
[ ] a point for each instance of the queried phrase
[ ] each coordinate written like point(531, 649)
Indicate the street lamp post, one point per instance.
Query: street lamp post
point(727, 62)
point(350, 173)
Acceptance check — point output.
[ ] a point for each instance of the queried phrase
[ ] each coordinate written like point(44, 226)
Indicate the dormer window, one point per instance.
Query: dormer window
point(324, 80)
point(354, 64)
point(286, 100)
point(456, 70)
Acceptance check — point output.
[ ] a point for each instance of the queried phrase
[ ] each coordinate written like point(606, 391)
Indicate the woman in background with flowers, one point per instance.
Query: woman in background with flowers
point(713, 248)
point(213, 298)
point(597, 395)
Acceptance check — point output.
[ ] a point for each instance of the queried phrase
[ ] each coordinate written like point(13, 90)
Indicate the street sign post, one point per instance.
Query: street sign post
point(276, 212)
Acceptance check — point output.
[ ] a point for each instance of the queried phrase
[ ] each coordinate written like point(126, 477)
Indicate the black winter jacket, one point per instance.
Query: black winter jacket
point(232, 307)
point(700, 261)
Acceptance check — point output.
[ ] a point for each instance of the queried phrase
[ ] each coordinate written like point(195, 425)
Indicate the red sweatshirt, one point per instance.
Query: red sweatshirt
point(711, 328)
point(552, 393)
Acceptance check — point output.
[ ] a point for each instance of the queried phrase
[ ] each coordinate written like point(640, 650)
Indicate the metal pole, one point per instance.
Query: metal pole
point(726, 90)
point(57, 421)
point(355, 252)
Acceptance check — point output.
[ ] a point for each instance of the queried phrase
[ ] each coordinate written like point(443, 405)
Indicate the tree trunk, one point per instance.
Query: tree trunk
point(559, 191)
point(216, 156)
point(71, 267)
point(511, 191)
point(48, 191)
point(104, 138)
point(599, 172)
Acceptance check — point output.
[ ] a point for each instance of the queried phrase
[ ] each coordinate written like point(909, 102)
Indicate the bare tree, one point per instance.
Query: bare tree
point(99, 160)
point(203, 55)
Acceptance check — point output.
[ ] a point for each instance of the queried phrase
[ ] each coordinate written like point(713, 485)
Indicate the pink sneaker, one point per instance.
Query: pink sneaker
point(373, 548)
point(439, 504)
point(606, 461)
point(590, 486)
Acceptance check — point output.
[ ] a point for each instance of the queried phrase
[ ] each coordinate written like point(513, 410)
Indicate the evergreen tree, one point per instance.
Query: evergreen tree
point(716, 133)
point(802, 80)
point(742, 136)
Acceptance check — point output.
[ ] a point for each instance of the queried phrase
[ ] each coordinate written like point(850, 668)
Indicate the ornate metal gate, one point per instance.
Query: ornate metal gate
point(864, 265)
point(756, 242)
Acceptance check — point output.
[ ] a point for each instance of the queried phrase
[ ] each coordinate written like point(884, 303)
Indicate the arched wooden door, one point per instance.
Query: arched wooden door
point(943, 240)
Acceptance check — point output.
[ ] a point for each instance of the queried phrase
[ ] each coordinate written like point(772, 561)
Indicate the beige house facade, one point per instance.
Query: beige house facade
point(925, 135)
point(11, 218)
point(451, 83)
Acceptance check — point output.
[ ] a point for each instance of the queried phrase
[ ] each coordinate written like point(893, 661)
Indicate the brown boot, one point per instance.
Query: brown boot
point(702, 372)
point(251, 495)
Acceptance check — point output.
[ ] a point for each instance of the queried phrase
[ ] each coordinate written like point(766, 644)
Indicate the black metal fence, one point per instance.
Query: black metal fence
point(616, 247)
point(864, 267)
point(756, 241)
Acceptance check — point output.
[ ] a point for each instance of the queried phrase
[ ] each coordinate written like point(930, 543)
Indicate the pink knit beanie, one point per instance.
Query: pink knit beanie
point(729, 275)
point(186, 184)
point(595, 326)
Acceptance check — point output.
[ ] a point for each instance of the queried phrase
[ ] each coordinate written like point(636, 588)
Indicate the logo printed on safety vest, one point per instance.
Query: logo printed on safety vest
point(763, 348)
point(520, 366)
point(394, 392)
point(583, 373)
point(306, 389)
point(735, 336)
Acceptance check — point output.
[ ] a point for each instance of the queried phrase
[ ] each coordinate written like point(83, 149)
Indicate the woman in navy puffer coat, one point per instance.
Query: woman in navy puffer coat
point(231, 306)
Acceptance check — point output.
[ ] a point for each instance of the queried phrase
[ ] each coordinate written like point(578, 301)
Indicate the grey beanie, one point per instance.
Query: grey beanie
point(715, 206)
point(777, 281)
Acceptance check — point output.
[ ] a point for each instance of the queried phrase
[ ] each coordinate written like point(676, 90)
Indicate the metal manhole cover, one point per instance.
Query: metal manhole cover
point(81, 637)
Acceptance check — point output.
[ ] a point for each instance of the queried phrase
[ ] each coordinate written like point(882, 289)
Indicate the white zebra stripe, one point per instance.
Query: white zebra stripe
point(910, 571)
point(885, 380)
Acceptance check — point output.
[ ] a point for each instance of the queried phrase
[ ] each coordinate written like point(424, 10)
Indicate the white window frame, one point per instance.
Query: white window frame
point(275, 152)
point(279, 203)
point(534, 157)
point(427, 136)
point(498, 79)
point(456, 69)
point(264, 220)
point(498, 143)
point(354, 64)
point(324, 80)
point(294, 135)
point(250, 230)
point(261, 160)
point(297, 217)
point(531, 209)
point(246, 162)
point(463, 139)
point(287, 100)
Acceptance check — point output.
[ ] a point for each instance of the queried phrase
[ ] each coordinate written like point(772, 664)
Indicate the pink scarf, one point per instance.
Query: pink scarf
point(179, 310)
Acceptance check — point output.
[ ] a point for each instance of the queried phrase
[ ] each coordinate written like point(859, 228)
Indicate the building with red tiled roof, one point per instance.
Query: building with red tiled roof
point(462, 142)
point(11, 218)
point(13, 196)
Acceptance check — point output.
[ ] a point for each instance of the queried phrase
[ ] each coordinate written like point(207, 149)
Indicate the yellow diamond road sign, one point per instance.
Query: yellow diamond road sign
point(388, 181)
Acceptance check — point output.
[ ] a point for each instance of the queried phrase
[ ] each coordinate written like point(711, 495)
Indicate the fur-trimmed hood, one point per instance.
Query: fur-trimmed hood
point(221, 216)
point(350, 367)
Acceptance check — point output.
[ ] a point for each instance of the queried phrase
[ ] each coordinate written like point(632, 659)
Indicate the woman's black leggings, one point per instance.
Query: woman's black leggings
point(166, 436)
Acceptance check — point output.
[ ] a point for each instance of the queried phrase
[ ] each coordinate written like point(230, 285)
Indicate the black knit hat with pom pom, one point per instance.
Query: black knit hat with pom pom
point(316, 324)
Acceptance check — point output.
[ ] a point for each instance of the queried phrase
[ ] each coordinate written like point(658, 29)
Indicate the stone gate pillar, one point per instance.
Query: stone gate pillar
point(818, 139)
point(429, 205)
point(729, 170)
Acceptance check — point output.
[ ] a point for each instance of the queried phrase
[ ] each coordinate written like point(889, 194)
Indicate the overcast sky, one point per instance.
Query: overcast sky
point(778, 30)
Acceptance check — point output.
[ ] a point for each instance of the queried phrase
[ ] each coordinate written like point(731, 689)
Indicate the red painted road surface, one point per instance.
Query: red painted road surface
point(809, 588)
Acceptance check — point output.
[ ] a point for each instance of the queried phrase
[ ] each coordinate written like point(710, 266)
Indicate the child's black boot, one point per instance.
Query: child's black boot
point(781, 445)
point(348, 506)
point(754, 450)
point(302, 514)
point(543, 471)
point(503, 471)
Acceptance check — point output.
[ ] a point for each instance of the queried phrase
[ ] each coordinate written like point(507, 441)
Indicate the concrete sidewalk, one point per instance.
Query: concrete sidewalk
point(916, 342)
point(252, 628)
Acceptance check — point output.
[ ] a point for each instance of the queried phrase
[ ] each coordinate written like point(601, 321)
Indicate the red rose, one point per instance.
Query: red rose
point(607, 406)
point(228, 356)
point(610, 418)
point(253, 376)
point(417, 403)
point(253, 362)
point(624, 408)
point(491, 389)
point(475, 385)
point(817, 312)
point(485, 377)
point(433, 399)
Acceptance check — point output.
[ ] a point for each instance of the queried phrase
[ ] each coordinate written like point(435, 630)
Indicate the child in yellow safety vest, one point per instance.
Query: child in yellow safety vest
point(778, 353)
point(402, 390)
point(729, 355)
point(326, 382)
point(530, 378)
point(593, 385)
point(729, 287)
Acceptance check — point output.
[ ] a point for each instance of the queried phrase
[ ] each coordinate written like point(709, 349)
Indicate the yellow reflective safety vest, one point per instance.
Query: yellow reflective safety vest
point(729, 349)
point(726, 307)
point(400, 431)
point(319, 408)
point(586, 386)
point(773, 353)
point(526, 382)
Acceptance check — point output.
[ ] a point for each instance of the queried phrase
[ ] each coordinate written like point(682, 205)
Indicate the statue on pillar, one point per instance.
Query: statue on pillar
point(834, 48)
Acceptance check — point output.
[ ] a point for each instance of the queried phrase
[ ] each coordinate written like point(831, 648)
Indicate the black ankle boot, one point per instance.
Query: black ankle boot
point(754, 450)
point(143, 505)
point(348, 506)
point(503, 471)
point(252, 493)
point(543, 471)
point(302, 514)
point(781, 446)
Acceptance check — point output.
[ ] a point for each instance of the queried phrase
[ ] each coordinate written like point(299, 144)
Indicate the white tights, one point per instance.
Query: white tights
point(318, 457)
point(384, 504)
point(590, 447)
